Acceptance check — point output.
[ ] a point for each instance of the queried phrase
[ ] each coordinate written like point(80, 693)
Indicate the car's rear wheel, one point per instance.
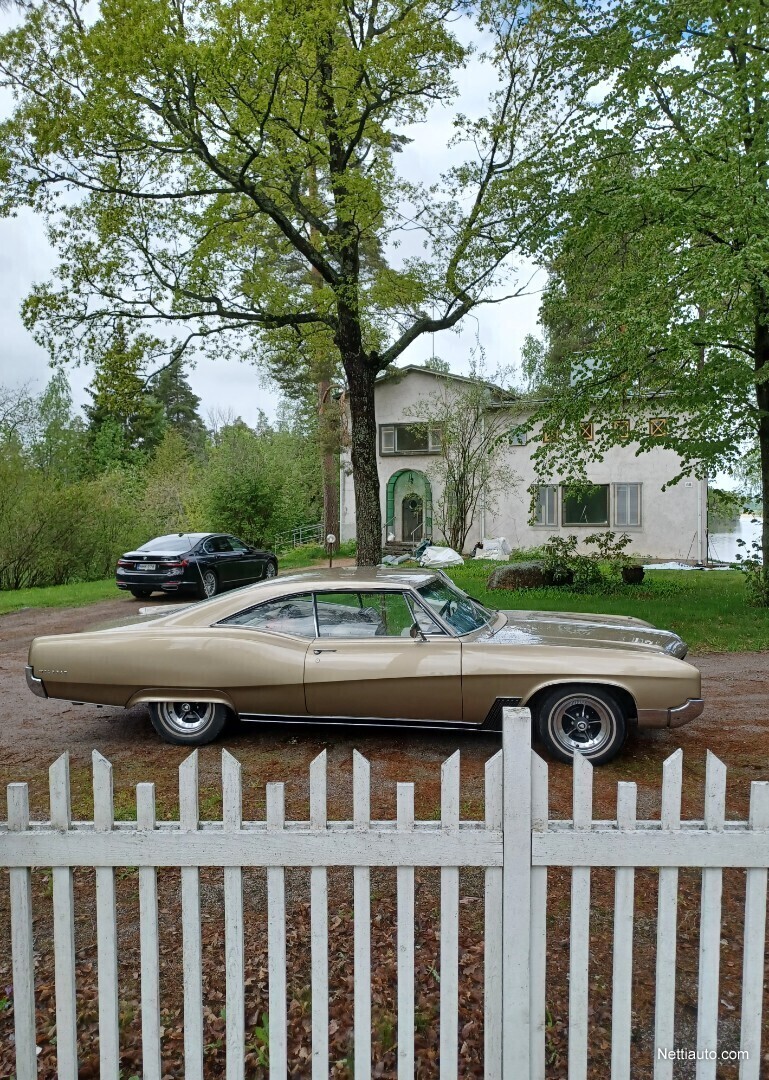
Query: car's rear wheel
point(188, 723)
point(141, 594)
point(586, 720)
point(209, 585)
point(271, 569)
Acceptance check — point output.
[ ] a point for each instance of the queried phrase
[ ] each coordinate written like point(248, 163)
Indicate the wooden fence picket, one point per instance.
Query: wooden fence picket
point(622, 971)
point(579, 953)
point(538, 931)
point(148, 942)
point(667, 914)
point(492, 975)
point(361, 795)
point(63, 929)
point(449, 999)
point(754, 945)
point(106, 927)
point(405, 938)
point(192, 945)
point(22, 949)
point(235, 1018)
point(319, 925)
point(516, 889)
point(276, 941)
point(710, 926)
point(515, 844)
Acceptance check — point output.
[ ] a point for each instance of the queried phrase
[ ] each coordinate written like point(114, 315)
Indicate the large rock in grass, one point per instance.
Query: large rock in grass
point(518, 575)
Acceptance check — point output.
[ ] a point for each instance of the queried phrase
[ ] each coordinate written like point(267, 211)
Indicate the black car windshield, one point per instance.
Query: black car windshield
point(459, 611)
point(171, 543)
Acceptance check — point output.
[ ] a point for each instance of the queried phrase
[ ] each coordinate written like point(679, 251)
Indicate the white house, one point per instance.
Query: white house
point(627, 496)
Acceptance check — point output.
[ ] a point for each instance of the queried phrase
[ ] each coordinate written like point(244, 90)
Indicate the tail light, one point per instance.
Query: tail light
point(124, 562)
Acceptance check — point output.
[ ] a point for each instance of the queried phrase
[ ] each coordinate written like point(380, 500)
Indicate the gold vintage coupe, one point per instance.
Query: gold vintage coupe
point(384, 645)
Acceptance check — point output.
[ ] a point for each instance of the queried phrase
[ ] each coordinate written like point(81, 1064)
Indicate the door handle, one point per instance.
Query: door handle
point(317, 652)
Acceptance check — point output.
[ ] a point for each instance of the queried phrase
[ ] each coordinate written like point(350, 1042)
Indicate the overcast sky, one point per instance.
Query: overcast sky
point(25, 258)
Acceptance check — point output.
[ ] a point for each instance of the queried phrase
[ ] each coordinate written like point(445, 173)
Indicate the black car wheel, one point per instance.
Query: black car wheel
point(585, 720)
point(209, 585)
point(141, 594)
point(271, 570)
point(188, 723)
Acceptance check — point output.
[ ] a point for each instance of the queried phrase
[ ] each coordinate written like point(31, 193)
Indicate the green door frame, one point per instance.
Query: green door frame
point(390, 504)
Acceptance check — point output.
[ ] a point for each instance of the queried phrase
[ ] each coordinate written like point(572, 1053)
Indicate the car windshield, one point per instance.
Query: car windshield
point(171, 543)
point(459, 611)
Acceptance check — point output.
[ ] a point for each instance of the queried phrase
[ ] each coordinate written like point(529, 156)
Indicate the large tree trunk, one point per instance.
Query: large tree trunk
point(363, 446)
point(762, 399)
point(328, 431)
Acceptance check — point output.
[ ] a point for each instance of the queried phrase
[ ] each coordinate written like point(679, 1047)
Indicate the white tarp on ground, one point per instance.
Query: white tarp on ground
point(433, 557)
point(683, 566)
point(495, 547)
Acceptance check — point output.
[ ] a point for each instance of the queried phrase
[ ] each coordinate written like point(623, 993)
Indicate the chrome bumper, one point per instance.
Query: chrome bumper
point(677, 717)
point(35, 684)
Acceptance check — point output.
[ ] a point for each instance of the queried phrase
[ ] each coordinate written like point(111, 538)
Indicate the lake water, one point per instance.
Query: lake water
point(723, 547)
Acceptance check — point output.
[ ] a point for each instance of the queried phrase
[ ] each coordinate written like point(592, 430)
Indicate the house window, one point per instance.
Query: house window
point(589, 507)
point(517, 438)
point(413, 438)
point(621, 428)
point(550, 435)
point(587, 431)
point(627, 504)
point(658, 426)
point(546, 507)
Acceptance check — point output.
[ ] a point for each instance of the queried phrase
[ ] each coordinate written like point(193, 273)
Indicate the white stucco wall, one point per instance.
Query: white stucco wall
point(673, 522)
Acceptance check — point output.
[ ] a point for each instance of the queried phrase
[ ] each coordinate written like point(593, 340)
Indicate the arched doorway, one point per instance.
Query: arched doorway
point(409, 507)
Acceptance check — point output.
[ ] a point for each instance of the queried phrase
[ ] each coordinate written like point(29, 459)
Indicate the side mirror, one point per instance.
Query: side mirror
point(416, 632)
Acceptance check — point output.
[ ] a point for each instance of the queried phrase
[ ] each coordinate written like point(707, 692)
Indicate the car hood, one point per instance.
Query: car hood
point(567, 628)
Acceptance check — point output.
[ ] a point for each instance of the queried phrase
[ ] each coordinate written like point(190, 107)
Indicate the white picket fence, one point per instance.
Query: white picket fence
point(516, 843)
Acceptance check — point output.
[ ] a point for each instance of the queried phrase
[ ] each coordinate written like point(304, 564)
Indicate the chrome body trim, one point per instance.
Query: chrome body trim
point(690, 710)
point(35, 684)
point(682, 714)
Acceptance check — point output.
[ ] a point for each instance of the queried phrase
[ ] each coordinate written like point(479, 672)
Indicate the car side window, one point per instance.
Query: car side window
point(216, 545)
point(363, 614)
point(236, 545)
point(286, 615)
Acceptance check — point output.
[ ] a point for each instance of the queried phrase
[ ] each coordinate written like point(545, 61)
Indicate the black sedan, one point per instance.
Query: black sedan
point(199, 563)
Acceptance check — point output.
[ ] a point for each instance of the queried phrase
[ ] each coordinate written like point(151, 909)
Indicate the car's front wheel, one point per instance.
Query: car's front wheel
point(188, 723)
point(586, 720)
point(271, 569)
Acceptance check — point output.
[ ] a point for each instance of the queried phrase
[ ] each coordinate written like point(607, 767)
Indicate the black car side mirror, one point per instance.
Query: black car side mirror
point(416, 632)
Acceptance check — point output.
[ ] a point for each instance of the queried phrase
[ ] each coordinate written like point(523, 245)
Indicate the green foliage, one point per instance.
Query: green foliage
point(173, 392)
point(133, 418)
point(660, 246)
point(259, 1043)
point(260, 484)
point(724, 508)
point(755, 572)
point(610, 550)
point(232, 172)
point(62, 522)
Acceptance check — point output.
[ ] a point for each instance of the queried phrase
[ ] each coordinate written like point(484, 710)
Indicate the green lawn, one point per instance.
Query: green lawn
point(708, 610)
point(83, 592)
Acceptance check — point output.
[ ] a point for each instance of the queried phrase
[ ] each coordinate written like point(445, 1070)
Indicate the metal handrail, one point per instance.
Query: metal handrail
point(300, 534)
